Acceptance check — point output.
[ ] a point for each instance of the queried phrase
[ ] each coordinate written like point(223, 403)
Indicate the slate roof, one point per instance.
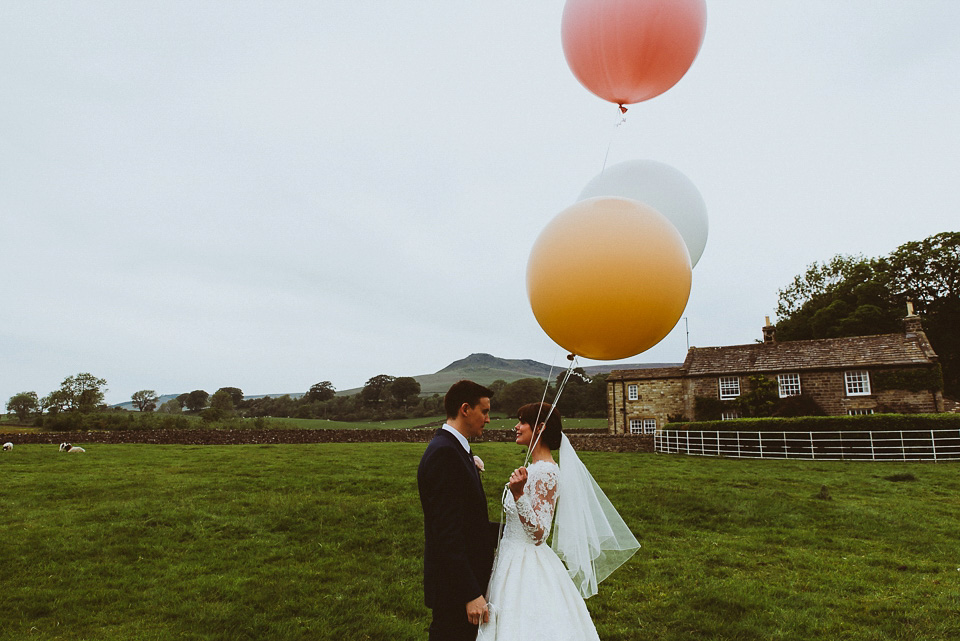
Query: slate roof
point(881, 350)
point(646, 373)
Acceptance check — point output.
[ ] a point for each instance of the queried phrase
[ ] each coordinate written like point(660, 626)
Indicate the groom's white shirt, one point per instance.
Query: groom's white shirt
point(460, 437)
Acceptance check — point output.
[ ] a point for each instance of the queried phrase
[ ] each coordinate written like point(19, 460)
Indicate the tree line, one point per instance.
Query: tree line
point(383, 397)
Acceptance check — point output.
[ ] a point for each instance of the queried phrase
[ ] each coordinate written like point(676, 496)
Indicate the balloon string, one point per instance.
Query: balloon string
point(506, 486)
point(506, 489)
point(553, 406)
point(621, 119)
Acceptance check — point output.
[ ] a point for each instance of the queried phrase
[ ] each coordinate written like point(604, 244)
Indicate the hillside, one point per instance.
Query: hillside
point(482, 368)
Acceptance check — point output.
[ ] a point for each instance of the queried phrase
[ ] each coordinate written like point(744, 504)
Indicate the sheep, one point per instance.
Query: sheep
point(7, 447)
point(66, 447)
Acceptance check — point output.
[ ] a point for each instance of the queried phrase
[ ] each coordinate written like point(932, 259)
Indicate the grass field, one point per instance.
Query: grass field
point(324, 542)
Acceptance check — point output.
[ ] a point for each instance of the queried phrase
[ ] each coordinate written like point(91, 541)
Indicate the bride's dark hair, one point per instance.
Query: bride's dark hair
point(533, 414)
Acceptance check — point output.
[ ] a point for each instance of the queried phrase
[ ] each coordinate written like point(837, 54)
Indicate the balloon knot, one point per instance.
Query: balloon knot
point(623, 109)
point(570, 357)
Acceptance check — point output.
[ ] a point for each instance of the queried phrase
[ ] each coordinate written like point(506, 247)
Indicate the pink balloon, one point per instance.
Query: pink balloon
point(628, 51)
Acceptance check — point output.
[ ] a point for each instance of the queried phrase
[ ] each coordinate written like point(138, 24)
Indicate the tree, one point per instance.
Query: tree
point(404, 390)
point(83, 392)
point(236, 395)
point(196, 400)
point(852, 295)
point(496, 387)
point(849, 296)
point(575, 395)
point(222, 400)
point(375, 389)
point(23, 405)
point(927, 272)
point(518, 393)
point(760, 397)
point(595, 398)
point(170, 407)
point(55, 402)
point(182, 400)
point(145, 400)
point(322, 391)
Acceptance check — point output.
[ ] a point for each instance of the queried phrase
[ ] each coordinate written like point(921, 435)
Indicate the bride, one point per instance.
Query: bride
point(533, 594)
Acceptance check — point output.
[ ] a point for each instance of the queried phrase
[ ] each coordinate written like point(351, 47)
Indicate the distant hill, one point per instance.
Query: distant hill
point(485, 369)
point(482, 368)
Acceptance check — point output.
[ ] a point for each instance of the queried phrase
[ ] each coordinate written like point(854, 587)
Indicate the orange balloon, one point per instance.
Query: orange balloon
point(608, 278)
point(628, 51)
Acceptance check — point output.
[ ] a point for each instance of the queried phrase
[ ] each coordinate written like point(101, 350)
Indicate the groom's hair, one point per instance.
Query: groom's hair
point(533, 414)
point(464, 392)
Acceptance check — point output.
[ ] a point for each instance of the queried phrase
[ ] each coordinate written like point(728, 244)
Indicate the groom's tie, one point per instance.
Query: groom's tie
point(473, 463)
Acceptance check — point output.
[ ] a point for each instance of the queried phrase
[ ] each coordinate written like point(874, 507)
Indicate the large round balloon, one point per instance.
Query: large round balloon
point(665, 189)
point(628, 51)
point(608, 278)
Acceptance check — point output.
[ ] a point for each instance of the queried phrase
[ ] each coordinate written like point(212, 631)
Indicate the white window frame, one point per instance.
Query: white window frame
point(857, 382)
point(859, 412)
point(633, 392)
point(788, 384)
point(729, 415)
point(729, 387)
point(640, 426)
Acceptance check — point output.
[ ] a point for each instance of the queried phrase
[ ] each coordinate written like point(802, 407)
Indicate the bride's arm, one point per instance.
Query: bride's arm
point(535, 505)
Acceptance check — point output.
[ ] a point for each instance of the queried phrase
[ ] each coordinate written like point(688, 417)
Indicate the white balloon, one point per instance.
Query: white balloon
point(662, 187)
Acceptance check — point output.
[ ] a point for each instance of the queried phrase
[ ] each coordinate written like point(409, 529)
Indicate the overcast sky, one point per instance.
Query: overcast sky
point(265, 195)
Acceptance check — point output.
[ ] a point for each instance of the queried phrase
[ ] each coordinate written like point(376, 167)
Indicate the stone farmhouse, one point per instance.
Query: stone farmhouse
point(856, 375)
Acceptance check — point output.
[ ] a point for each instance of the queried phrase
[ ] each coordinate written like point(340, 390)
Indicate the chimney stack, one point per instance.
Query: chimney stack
point(911, 324)
point(769, 332)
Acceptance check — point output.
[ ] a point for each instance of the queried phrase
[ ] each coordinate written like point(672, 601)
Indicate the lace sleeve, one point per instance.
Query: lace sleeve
point(535, 505)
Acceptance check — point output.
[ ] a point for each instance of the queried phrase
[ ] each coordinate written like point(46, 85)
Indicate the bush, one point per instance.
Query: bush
point(113, 421)
point(799, 405)
point(709, 408)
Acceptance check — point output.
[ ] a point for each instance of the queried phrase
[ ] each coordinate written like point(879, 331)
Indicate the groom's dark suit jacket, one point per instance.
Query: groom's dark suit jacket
point(459, 538)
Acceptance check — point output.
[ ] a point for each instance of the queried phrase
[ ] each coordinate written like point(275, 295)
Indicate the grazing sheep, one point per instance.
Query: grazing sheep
point(7, 447)
point(66, 447)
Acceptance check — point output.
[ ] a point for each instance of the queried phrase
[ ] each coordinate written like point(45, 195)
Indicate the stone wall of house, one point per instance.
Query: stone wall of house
point(659, 398)
point(828, 389)
point(708, 386)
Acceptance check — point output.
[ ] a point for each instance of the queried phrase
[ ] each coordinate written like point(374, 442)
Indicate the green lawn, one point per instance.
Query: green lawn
point(324, 542)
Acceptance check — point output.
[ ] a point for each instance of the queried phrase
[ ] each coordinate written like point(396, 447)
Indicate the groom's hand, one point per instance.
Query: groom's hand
point(477, 611)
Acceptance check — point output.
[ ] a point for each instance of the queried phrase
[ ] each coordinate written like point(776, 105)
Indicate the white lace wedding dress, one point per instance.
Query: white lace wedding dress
point(531, 594)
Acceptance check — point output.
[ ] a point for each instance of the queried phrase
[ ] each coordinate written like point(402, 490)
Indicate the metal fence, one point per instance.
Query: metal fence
point(907, 445)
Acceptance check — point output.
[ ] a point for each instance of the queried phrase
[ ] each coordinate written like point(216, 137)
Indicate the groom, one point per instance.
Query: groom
point(459, 539)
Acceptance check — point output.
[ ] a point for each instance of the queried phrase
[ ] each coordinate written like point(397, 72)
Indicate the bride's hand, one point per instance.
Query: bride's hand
point(517, 480)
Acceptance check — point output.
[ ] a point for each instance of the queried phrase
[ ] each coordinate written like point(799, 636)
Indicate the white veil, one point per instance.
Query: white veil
point(588, 533)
